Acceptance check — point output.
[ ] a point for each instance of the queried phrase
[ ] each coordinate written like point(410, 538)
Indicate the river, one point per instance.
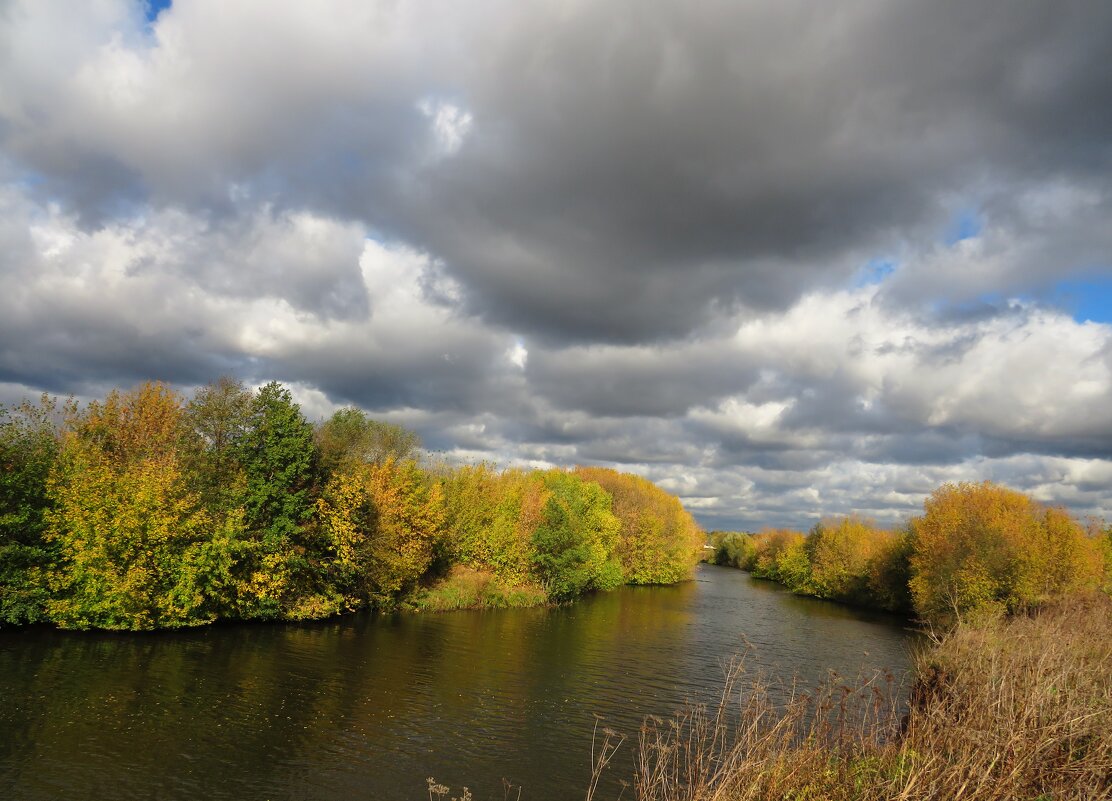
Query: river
point(366, 707)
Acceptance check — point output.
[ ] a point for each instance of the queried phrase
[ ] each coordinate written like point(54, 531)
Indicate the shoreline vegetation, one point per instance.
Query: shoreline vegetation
point(1011, 700)
point(1010, 708)
point(977, 551)
point(148, 510)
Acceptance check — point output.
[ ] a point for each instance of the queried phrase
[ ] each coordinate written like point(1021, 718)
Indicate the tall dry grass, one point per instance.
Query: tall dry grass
point(1015, 709)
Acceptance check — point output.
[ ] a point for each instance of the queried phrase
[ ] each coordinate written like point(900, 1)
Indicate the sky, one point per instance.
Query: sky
point(787, 259)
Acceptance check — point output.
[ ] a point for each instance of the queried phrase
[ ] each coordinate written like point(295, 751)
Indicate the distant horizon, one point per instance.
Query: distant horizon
point(786, 260)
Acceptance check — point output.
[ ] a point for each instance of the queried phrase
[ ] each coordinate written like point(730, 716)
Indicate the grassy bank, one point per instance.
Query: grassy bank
point(1004, 709)
point(467, 588)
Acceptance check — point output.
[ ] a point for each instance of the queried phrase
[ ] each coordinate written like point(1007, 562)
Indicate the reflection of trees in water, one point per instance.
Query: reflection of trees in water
point(368, 707)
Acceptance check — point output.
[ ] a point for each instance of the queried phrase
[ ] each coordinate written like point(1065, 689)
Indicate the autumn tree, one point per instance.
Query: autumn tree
point(780, 557)
point(127, 526)
point(982, 548)
point(28, 450)
point(382, 522)
point(658, 541)
point(574, 542)
point(839, 551)
point(889, 571)
point(487, 521)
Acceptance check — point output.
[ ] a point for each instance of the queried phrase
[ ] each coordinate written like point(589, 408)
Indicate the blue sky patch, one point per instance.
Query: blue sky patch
point(873, 272)
point(1087, 299)
point(152, 8)
point(966, 224)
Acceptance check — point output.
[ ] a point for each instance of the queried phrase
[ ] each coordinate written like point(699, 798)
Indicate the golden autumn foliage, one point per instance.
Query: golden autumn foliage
point(983, 548)
point(382, 522)
point(658, 542)
point(153, 512)
point(779, 555)
point(490, 518)
point(124, 520)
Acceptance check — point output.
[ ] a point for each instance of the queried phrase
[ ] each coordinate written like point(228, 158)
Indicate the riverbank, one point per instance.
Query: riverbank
point(978, 550)
point(1016, 708)
point(149, 510)
point(467, 588)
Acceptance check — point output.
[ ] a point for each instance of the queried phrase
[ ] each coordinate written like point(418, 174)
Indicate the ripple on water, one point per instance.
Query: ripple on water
point(366, 707)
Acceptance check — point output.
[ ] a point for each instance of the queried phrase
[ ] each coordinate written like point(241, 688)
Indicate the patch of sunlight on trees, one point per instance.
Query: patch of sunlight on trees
point(977, 550)
point(148, 510)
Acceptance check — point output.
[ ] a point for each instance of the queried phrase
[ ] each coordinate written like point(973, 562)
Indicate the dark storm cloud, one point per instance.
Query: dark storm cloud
point(740, 153)
point(638, 381)
point(628, 168)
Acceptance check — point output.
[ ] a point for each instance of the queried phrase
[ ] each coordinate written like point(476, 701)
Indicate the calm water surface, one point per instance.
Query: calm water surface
point(366, 707)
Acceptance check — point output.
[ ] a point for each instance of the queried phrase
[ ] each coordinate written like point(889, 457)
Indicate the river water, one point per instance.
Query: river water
point(367, 707)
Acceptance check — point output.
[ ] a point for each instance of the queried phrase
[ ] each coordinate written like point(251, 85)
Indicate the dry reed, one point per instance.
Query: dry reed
point(1004, 710)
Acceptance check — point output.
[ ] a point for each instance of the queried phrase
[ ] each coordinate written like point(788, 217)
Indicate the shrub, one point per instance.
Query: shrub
point(658, 541)
point(467, 588)
point(983, 548)
point(574, 542)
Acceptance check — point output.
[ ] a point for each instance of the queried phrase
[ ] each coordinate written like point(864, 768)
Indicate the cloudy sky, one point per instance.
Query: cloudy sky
point(785, 258)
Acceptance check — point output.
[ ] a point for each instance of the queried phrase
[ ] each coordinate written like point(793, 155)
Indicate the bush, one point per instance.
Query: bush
point(982, 548)
point(574, 542)
point(658, 541)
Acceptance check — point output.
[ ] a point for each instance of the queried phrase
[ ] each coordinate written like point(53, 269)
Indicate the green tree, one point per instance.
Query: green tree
point(277, 454)
point(218, 417)
point(28, 450)
point(733, 549)
point(575, 539)
point(350, 436)
point(282, 572)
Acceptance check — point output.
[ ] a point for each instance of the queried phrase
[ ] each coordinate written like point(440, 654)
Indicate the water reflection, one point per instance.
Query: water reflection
point(367, 707)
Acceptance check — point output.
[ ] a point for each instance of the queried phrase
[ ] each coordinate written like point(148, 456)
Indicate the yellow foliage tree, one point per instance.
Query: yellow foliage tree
point(659, 542)
point(382, 521)
point(126, 524)
point(484, 526)
point(982, 547)
point(840, 552)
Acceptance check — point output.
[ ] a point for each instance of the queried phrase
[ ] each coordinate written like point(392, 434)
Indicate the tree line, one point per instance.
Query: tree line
point(148, 510)
point(977, 549)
